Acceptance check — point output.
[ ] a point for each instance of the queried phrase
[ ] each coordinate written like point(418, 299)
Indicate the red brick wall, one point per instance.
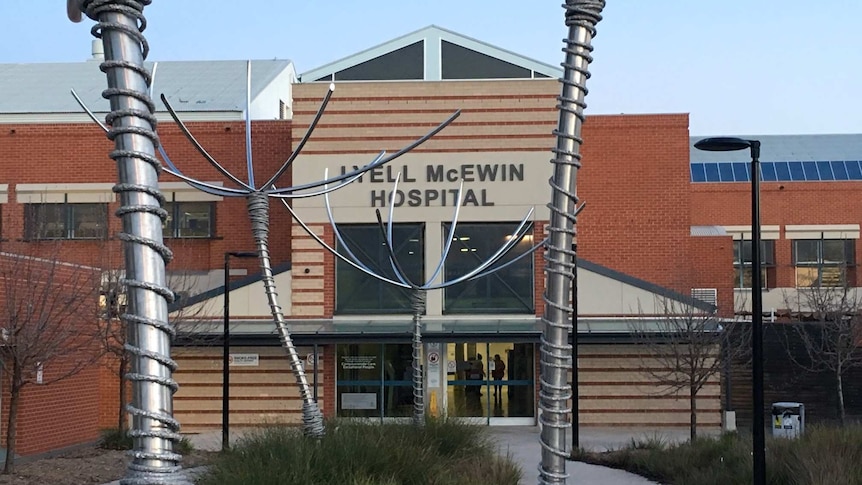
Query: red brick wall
point(77, 153)
point(72, 411)
point(635, 181)
point(781, 203)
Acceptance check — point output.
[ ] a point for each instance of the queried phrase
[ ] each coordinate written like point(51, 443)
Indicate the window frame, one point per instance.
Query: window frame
point(173, 208)
point(820, 263)
point(342, 307)
point(527, 302)
point(33, 216)
point(741, 266)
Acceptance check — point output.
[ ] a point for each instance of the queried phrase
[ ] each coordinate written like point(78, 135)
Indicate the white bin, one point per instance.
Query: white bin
point(788, 419)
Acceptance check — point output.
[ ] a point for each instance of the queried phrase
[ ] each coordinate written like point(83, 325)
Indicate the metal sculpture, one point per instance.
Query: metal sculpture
point(120, 24)
point(581, 18)
point(258, 211)
point(418, 290)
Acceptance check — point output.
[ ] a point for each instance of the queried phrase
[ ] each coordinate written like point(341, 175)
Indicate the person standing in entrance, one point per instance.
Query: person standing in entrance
point(498, 373)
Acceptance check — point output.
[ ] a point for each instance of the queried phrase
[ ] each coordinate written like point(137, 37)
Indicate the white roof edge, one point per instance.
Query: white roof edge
point(432, 32)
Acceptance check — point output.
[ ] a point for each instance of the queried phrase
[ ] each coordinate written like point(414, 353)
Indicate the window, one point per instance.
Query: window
point(358, 293)
point(462, 63)
point(374, 380)
point(823, 262)
point(189, 220)
point(742, 264)
point(65, 221)
point(509, 290)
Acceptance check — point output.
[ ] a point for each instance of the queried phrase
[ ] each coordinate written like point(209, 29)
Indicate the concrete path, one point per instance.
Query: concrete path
point(522, 444)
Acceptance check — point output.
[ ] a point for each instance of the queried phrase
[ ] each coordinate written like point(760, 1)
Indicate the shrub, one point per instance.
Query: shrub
point(115, 439)
point(440, 453)
point(823, 456)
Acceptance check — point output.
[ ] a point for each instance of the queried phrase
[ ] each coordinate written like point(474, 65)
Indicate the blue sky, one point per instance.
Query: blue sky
point(738, 66)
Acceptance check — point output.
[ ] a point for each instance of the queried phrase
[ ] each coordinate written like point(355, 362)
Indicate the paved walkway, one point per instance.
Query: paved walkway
point(522, 443)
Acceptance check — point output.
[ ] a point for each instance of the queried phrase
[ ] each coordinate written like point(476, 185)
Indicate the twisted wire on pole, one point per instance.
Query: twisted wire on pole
point(556, 353)
point(120, 23)
point(417, 304)
point(258, 212)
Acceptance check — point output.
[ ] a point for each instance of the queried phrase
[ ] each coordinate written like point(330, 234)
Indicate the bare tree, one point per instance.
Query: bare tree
point(49, 310)
point(685, 347)
point(832, 335)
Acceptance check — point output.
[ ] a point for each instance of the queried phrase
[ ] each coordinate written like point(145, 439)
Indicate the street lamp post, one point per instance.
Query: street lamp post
point(225, 393)
point(723, 144)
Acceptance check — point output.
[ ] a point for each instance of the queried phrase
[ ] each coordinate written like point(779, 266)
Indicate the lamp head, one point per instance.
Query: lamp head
point(722, 144)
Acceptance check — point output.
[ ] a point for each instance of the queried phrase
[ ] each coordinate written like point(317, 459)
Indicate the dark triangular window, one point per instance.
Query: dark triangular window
point(462, 63)
point(405, 63)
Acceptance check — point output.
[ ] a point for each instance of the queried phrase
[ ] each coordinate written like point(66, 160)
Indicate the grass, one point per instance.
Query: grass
point(823, 456)
point(440, 453)
point(114, 439)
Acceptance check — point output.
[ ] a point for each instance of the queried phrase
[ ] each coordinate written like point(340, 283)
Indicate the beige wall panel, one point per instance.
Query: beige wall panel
point(238, 392)
point(197, 421)
point(238, 405)
point(588, 391)
point(314, 271)
point(248, 301)
point(299, 233)
point(311, 92)
point(304, 243)
point(538, 143)
point(712, 419)
point(308, 297)
point(638, 404)
point(626, 363)
point(302, 257)
point(307, 310)
point(520, 114)
point(307, 284)
point(274, 379)
point(389, 132)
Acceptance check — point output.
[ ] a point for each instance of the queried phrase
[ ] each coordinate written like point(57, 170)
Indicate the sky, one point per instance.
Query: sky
point(739, 67)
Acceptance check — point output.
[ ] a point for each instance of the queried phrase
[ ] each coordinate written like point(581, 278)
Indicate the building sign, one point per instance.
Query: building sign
point(244, 360)
point(430, 177)
point(360, 362)
point(358, 400)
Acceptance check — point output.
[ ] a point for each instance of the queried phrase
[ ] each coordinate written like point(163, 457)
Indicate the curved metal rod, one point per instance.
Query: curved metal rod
point(335, 253)
point(352, 175)
point(87, 110)
point(207, 187)
point(305, 138)
point(502, 251)
point(393, 259)
point(515, 259)
point(388, 159)
point(346, 247)
point(306, 195)
point(425, 138)
point(451, 235)
point(387, 234)
point(248, 162)
point(199, 148)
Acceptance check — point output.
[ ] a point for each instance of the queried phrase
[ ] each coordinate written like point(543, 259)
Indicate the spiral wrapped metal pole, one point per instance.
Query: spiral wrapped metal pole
point(417, 303)
point(258, 212)
point(154, 430)
point(581, 18)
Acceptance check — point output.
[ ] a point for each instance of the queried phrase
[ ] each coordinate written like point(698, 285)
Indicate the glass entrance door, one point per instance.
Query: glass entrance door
point(491, 382)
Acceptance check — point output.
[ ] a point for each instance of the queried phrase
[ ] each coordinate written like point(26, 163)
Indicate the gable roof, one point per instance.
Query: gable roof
point(191, 86)
point(433, 38)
